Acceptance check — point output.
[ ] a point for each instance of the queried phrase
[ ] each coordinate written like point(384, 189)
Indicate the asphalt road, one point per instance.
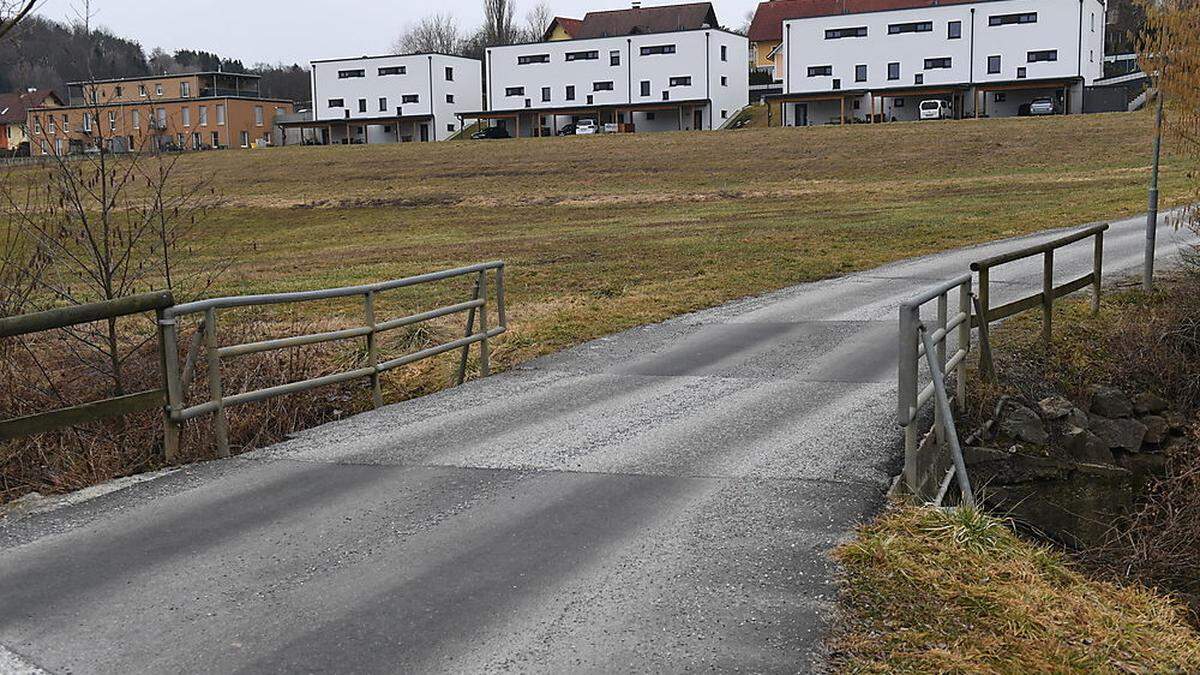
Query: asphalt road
point(659, 500)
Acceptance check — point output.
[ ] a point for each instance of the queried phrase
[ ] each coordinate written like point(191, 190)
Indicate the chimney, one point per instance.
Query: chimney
point(637, 4)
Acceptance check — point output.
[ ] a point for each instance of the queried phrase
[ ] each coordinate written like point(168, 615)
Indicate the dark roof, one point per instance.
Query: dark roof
point(639, 20)
point(161, 76)
point(768, 19)
point(569, 26)
point(14, 106)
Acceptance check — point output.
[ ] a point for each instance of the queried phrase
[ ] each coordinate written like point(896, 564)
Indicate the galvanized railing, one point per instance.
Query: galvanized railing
point(924, 478)
point(916, 341)
point(178, 379)
point(97, 410)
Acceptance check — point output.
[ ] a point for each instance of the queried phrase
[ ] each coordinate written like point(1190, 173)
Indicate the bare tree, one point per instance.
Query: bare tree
point(537, 20)
point(434, 33)
point(499, 28)
point(12, 12)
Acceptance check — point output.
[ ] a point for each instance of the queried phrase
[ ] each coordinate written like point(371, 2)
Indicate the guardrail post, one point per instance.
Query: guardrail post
point(1047, 297)
point(373, 349)
point(987, 367)
point(220, 424)
point(1097, 271)
point(951, 432)
point(466, 350)
point(909, 318)
point(964, 342)
point(943, 310)
point(485, 367)
point(169, 352)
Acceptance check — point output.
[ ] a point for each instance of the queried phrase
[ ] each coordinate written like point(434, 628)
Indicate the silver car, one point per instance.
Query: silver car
point(1043, 106)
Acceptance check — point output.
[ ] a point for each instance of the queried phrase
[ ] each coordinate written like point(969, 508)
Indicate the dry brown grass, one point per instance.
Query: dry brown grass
point(930, 591)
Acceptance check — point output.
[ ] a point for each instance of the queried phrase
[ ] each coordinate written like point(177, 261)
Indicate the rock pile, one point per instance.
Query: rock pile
point(1070, 469)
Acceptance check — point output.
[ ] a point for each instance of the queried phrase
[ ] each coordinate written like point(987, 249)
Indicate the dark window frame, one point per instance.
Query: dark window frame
point(842, 33)
point(527, 59)
point(652, 50)
point(910, 27)
point(1017, 19)
point(820, 71)
point(351, 74)
point(589, 55)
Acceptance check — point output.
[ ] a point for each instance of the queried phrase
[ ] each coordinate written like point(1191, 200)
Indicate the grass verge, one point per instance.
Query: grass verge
point(929, 591)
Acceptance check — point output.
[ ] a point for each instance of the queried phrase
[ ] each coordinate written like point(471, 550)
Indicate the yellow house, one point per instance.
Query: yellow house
point(562, 28)
point(14, 109)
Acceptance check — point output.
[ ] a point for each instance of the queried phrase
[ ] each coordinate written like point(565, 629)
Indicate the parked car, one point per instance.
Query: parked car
point(567, 130)
point(1043, 106)
point(586, 128)
point(490, 133)
point(936, 109)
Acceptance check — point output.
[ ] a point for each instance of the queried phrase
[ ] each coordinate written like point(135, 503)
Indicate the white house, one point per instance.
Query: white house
point(391, 99)
point(655, 68)
point(989, 57)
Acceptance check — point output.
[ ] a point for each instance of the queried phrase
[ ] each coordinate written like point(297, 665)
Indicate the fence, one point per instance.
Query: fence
point(97, 410)
point(176, 380)
point(924, 462)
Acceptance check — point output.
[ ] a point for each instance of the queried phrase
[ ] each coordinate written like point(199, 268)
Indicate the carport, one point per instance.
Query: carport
point(686, 115)
point(900, 97)
point(325, 130)
point(801, 105)
point(1033, 88)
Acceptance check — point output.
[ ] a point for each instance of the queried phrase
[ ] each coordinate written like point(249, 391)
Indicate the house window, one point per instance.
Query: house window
point(934, 64)
point(570, 92)
point(216, 139)
point(860, 73)
point(66, 124)
point(350, 74)
point(837, 83)
point(820, 71)
point(37, 125)
point(602, 86)
point(137, 120)
point(533, 58)
point(724, 53)
point(1012, 19)
point(658, 49)
point(1043, 55)
point(954, 30)
point(410, 98)
point(650, 116)
point(450, 127)
point(118, 91)
point(893, 71)
point(383, 104)
point(724, 81)
point(362, 105)
point(645, 87)
point(1000, 97)
point(913, 27)
point(666, 95)
point(337, 103)
point(161, 117)
point(545, 94)
point(993, 65)
point(245, 139)
point(1022, 73)
point(919, 78)
point(203, 115)
point(528, 103)
point(583, 56)
point(449, 98)
point(590, 99)
point(685, 81)
point(185, 114)
point(514, 91)
point(839, 33)
point(54, 124)
point(449, 73)
point(185, 89)
point(392, 70)
point(899, 103)
point(87, 123)
point(724, 114)
point(158, 90)
point(614, 58)
point(142, 90)
point(221, 114)
point(112, 120)
point(258, 115)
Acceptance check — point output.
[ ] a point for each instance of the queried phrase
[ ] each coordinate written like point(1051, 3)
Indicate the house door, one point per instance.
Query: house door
point(424, 133)
point(698, 119)
point(801, 117)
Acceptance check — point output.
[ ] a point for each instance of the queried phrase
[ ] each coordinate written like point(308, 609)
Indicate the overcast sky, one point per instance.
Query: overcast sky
point(298, 31)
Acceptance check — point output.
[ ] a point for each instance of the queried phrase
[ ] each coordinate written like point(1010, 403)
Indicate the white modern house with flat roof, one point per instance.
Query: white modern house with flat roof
point(988, 57)
point(643, 69)
point(392, 99)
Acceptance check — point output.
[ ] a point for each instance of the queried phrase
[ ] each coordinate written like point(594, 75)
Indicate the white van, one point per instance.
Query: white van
point(936, 109)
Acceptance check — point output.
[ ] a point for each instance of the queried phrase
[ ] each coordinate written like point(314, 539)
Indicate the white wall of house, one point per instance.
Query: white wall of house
point(420, 84)
point(1072, 29)
point(707, 65)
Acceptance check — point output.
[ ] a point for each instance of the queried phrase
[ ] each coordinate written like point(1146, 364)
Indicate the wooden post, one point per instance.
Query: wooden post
point(169, 362)
point(373, 348)
point(842, 104)
point(466, 350)
point(485, 367)
point(1097, 271)
point(220, 425)
point(1047, 296)
point(986, 365)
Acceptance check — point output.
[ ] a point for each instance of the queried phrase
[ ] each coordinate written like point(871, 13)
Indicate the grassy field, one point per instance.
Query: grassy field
point(608, 232)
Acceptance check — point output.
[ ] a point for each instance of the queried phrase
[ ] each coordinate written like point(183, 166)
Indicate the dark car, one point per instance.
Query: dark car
point(567, 130)
point(490, 132)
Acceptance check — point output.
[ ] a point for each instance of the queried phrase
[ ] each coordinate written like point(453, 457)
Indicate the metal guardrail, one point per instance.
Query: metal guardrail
point(917, 340)
point(97, 410)
point(177, 379)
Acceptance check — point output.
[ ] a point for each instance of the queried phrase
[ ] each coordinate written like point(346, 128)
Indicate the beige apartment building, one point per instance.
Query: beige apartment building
point(192, 111)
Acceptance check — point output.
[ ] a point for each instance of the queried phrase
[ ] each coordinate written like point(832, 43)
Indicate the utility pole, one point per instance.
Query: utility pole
point(1152, 218)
